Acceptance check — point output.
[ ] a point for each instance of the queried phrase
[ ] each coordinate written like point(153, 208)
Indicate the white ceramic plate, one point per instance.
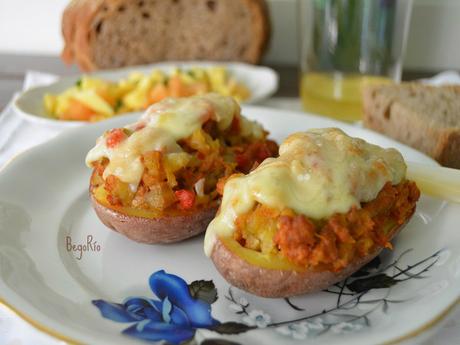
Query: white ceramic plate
point(261, 81)
point(44, 210)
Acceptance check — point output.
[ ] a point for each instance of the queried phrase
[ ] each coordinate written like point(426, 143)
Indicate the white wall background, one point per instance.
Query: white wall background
point(33, 27)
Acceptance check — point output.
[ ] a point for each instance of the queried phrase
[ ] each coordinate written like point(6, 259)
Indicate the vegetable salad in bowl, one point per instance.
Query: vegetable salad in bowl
point(94, 99)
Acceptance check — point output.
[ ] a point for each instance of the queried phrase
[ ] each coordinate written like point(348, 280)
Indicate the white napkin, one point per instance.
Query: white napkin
point(17, 134)
point(443, 78)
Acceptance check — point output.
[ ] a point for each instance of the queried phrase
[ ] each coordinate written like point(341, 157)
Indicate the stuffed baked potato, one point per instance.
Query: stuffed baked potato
point(311, 217)
point(157, 180)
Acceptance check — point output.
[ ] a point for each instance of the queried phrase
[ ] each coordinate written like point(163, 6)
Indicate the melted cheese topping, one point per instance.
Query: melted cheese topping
point(161, 126)
point(318, 173)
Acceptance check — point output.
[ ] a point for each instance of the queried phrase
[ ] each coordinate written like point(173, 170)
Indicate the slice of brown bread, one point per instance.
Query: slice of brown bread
point(102, 34)
point(424, 117)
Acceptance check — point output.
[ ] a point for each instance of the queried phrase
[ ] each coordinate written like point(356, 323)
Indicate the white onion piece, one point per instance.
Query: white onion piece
point(199, 187)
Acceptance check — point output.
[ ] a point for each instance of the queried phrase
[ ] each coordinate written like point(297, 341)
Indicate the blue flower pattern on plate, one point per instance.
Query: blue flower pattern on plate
point(179, 310)
point(173, 317)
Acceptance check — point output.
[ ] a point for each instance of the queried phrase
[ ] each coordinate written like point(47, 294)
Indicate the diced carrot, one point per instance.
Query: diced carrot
point(115, 137)
point(158, 93)
point(186, 198)
point(106, 96)
point(77, 111)
point(198, 88)
point(177, 88)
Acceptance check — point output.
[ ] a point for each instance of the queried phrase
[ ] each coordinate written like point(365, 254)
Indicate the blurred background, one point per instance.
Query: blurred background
point(33, 27)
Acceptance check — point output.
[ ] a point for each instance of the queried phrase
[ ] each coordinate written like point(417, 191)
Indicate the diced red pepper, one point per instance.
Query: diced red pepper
point(242, 160)
point(235, 127)
point(263, 152)
point(186, 198)
point(115, 137)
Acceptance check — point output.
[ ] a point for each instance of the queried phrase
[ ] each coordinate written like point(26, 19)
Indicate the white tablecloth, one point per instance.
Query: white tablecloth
point(17, 135)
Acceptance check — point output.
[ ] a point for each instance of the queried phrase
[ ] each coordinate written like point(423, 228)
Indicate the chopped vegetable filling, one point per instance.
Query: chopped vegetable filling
point(92, 99)
point(328, 243)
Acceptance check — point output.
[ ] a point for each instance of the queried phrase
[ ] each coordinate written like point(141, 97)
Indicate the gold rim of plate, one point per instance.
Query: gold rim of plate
point(59, 336)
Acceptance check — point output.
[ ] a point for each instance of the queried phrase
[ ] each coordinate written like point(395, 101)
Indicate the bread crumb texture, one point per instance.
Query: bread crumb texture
point(108, 34)
point(424, 117)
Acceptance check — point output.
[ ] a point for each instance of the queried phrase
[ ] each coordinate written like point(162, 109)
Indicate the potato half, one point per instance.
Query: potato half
point(166, 229)
point(276, 283)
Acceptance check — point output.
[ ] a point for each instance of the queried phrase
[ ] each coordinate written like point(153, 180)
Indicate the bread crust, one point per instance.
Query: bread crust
point(274, 283)
point(154, 230)
point(262, 27)
point(77, 31)
point(76, 21)
point(448, 149)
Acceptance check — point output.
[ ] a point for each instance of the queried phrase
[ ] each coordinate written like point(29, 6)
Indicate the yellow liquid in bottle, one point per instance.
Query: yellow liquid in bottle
point(336, 95)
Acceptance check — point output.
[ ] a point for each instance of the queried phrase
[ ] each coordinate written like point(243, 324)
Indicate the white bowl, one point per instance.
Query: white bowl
point(261, 81)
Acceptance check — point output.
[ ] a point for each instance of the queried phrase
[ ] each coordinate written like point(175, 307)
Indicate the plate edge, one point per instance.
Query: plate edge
point(409, 336)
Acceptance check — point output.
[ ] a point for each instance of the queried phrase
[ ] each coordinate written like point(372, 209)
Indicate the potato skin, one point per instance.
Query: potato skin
point(152, 231)
point(280, 283)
